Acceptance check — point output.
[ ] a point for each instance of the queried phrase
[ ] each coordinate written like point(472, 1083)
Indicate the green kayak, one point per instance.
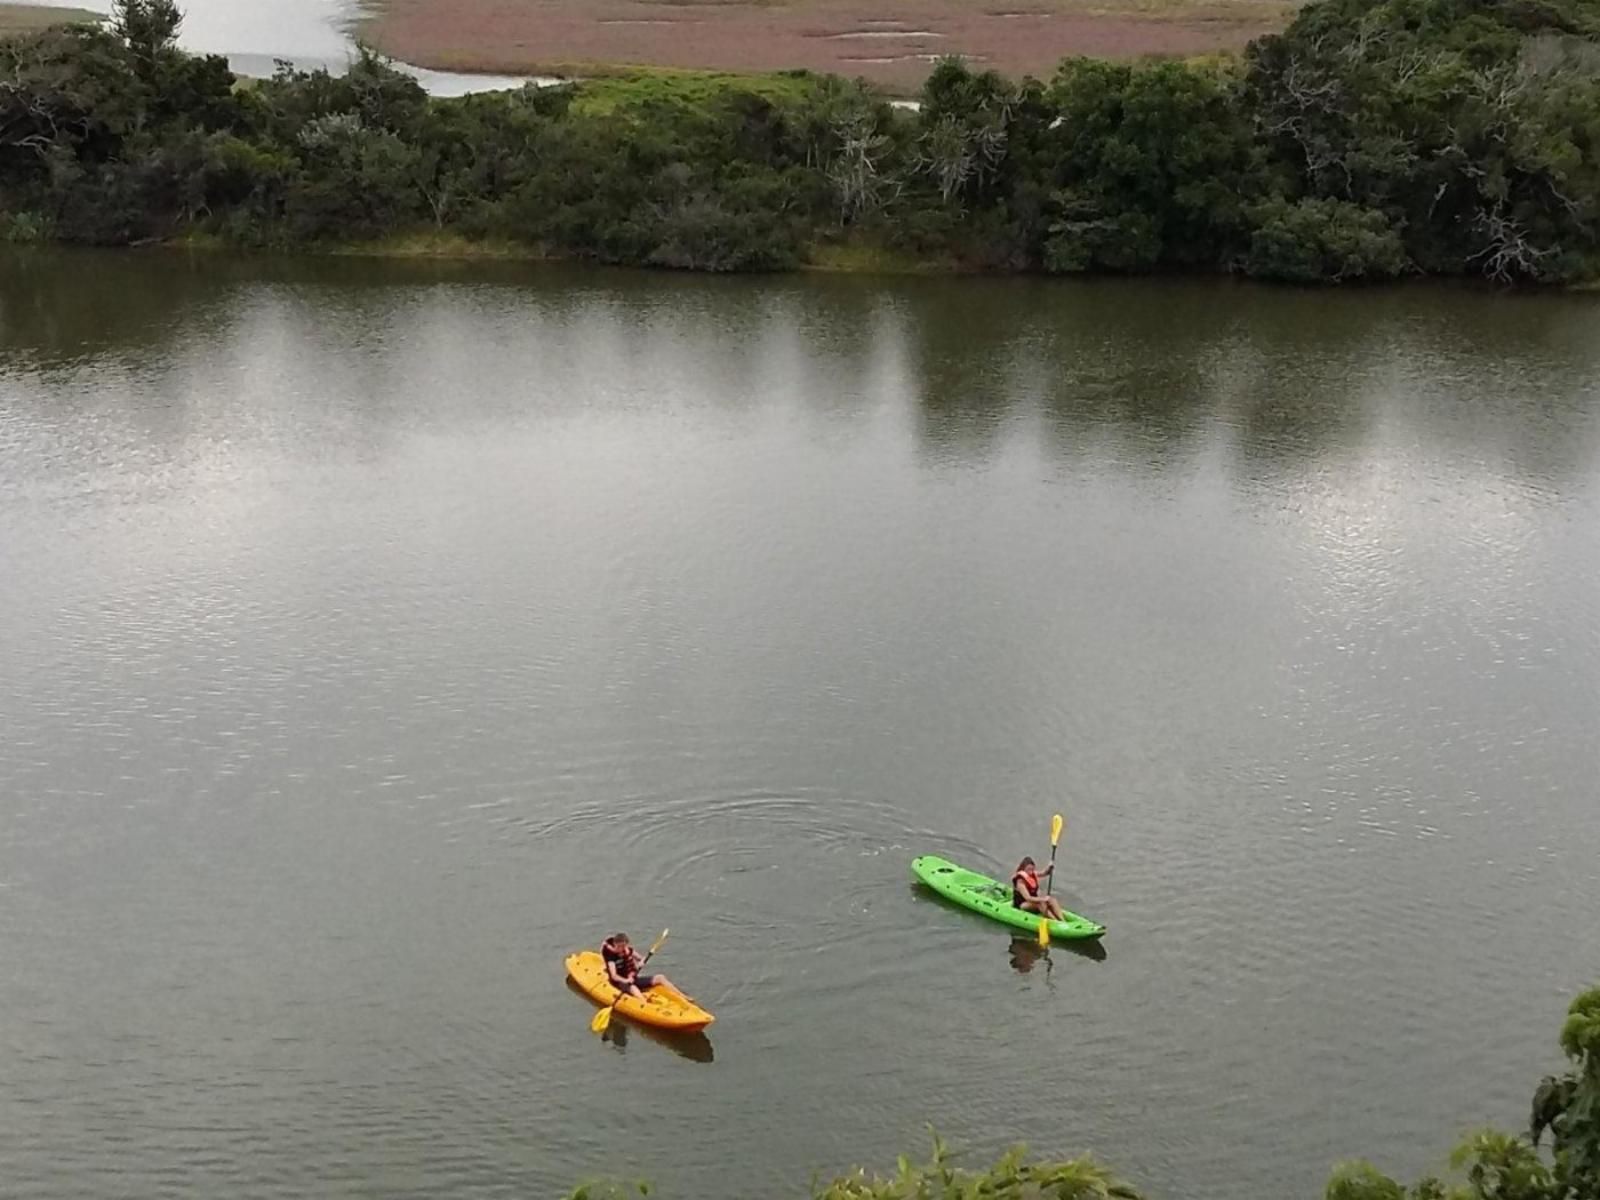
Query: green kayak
point(992, 898)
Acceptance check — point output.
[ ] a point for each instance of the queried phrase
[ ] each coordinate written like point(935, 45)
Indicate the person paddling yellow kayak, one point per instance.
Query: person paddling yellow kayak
point(614, 978)
point(622, 968)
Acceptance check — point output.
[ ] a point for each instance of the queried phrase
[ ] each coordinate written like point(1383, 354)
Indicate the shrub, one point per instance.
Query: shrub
point(1322, 241)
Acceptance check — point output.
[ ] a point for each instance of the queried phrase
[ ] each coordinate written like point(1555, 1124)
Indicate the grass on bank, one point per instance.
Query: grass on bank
point(1013, 1177)
point(864, 258)
point(28, 18)
point(844, 257)
point(638, 88)
point(441, 244)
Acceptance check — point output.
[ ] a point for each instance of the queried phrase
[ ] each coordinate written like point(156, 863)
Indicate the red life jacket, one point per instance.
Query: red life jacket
point(1031, 878)
point(626, 961)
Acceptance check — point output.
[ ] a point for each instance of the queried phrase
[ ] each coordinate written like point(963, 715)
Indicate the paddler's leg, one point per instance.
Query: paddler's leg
point(1044, 906)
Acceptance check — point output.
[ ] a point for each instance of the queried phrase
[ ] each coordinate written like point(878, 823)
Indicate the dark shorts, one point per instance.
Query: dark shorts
point(645, 982)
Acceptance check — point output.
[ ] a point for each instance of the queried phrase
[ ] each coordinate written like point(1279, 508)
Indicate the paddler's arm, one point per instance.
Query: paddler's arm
point(624, 983)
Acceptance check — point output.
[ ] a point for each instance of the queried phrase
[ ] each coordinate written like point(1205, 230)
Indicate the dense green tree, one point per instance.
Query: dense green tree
point(1372, 138)
point(1472, 124)
point(148, 27)
point(1567, 1107)
point(1311, 240)
point(1154, 167)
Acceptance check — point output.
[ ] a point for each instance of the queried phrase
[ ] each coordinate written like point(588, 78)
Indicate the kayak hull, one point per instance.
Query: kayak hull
point(992, 899)
point(664, 1008)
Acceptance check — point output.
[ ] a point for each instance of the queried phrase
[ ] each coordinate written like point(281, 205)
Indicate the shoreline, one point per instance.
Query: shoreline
point(833, 259)
point(427, 245)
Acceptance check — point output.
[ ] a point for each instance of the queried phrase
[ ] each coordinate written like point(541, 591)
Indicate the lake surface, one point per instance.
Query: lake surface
point(374, 635)
point(311, 34)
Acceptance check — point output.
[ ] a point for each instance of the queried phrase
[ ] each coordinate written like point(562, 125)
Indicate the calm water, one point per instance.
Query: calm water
point(254, 34)
point(374, 635)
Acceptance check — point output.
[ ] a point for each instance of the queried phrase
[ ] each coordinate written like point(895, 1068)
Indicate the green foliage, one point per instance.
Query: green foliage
point(24, 228)
point(609, 1191)
point(642, 92)
point(1153, 165)
point(149, 27)
point(1013, 1177)
point(1373, 138)
point(355, 180)
point(1472, 124)
point(1568, 1106)
point(1313, 240)
point(1499, 1166)
point(1362, 1181)
point(1580, 1036)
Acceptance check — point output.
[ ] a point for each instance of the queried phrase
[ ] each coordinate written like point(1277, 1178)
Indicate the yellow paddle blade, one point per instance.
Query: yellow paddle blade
point(1055, 829)
point(656, 945)
point(1044, 932)
point(602, 1020)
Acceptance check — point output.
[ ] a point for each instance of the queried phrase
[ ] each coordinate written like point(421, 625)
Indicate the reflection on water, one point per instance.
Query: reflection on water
point(372, 632)
point(1074, 365)
point(695, 1046)
point(1026, 953)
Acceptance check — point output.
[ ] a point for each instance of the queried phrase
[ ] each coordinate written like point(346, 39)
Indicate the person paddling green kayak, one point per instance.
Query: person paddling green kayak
point(1025, 893)
point(993, 898)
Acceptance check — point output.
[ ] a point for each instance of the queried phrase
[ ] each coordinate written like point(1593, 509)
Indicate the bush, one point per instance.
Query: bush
point(1014, 1177)
point(1322, 241)
point(25, 228)
point(1362, 1181)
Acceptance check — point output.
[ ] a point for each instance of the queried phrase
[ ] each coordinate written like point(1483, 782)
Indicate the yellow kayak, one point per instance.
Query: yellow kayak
point(665, 1008)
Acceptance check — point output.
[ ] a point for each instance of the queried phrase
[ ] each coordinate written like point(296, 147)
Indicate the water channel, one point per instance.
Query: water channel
point(375, 634)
